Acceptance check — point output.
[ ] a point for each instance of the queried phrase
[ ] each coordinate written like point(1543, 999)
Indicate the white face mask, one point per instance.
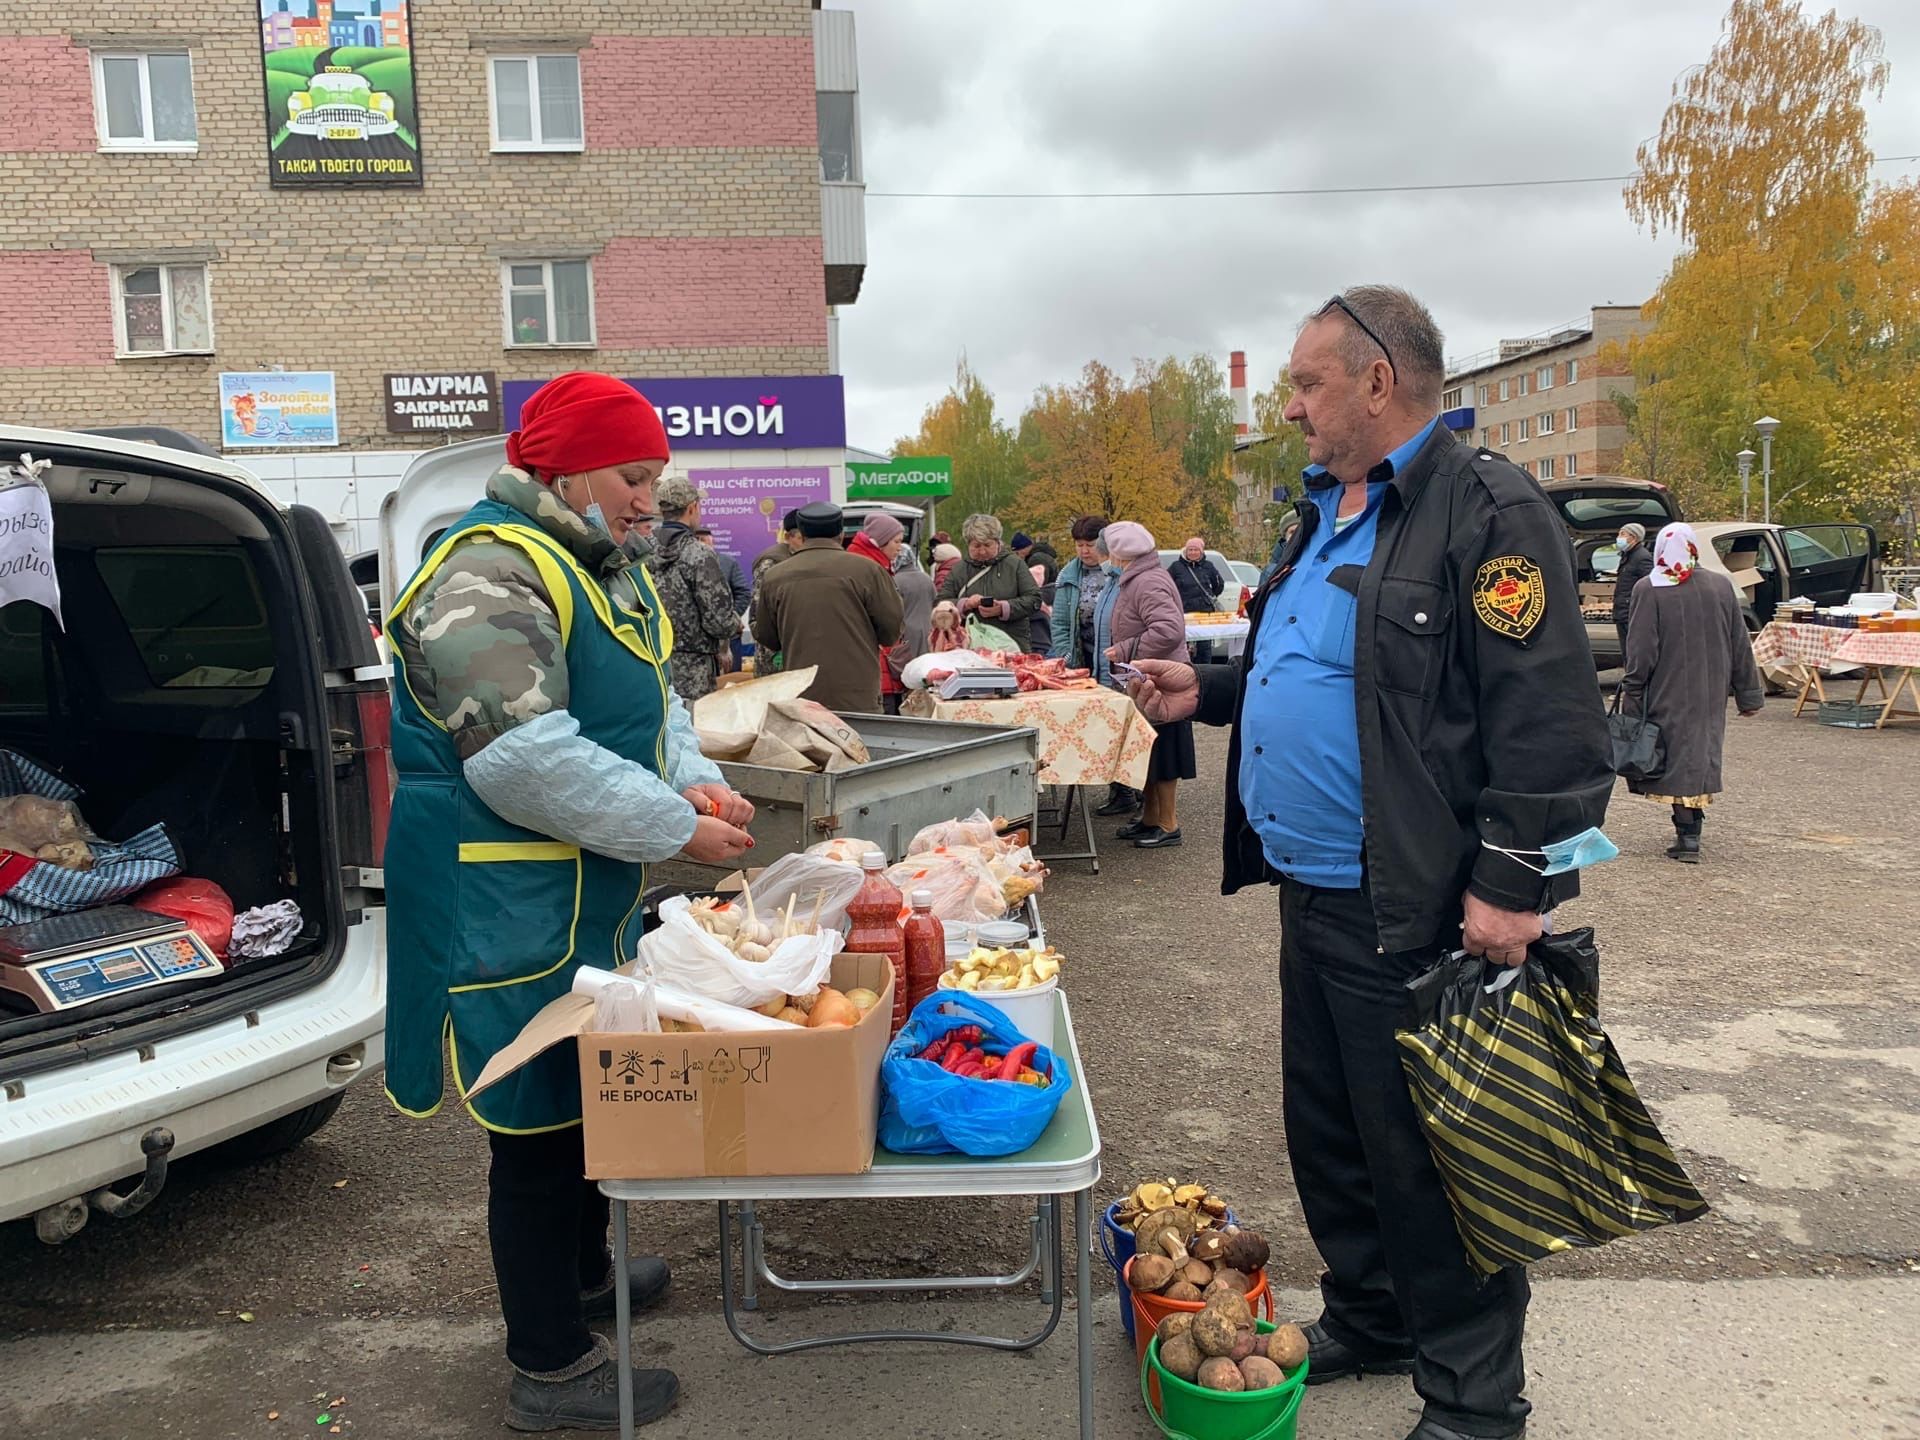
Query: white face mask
point(593, 514)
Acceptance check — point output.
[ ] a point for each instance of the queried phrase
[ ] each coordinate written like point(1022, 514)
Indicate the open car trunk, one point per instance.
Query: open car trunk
point(203, 681)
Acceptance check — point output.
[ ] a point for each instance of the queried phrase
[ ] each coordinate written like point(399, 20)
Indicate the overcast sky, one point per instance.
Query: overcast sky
point(1250, 94)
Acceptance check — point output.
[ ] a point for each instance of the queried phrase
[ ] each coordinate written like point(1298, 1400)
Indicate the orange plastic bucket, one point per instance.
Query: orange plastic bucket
point(1149, 1310)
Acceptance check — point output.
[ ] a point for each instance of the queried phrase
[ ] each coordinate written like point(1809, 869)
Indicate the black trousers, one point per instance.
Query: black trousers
point(1397, 1276)
point(1688, 819)
point(547, 1227)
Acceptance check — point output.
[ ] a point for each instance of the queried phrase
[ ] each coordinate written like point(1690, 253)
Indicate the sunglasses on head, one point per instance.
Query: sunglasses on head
point(1337, 303)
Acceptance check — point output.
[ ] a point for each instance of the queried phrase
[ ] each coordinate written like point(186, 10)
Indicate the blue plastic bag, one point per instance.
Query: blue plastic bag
point(926, 1111)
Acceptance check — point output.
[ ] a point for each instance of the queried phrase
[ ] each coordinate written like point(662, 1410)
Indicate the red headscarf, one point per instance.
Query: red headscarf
point(862, 544)
point(585, 421)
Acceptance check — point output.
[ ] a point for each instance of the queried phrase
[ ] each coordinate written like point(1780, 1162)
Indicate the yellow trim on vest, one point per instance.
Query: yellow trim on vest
point(573, 930)
point(485, 852)
point(453, 1060)
point(446, 1034)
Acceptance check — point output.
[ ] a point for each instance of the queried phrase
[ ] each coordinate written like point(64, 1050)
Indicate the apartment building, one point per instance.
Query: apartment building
point(1548, 402)
point(322, 234)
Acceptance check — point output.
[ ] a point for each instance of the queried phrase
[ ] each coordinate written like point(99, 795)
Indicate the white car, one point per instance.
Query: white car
point(216, 674)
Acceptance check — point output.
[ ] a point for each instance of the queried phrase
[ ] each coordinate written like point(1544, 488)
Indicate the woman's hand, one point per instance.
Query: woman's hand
point(720, 802)
point(715, 842)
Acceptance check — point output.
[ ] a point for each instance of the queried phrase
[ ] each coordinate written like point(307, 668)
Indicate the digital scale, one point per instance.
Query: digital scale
point(66, 961)
point(978, 684)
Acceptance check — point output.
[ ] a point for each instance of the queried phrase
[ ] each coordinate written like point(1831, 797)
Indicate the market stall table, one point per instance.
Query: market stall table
point(1232, 634)
point(1885, 651)
point(1805, 649)
point(1086, 737)
point(1064, 1161)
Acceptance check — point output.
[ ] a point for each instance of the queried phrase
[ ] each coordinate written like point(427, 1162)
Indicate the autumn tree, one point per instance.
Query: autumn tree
point(1192, 409)
point(989, 466)
point(1093, 450)
point(1781, 302)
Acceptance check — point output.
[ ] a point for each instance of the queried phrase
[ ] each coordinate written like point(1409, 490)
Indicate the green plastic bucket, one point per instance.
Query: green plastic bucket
point(1192, 1413)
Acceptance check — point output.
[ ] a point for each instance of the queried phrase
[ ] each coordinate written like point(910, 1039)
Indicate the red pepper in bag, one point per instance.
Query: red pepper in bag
point(1016, 1061)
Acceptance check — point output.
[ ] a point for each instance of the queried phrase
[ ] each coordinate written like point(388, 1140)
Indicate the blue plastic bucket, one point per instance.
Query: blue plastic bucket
point(1116, 1243)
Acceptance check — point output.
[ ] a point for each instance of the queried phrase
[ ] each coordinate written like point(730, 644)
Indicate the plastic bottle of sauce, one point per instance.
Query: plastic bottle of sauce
point(926, 947)
point(875, 913)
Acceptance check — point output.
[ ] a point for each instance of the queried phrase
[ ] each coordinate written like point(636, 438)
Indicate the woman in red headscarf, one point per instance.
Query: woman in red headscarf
point(543, 759)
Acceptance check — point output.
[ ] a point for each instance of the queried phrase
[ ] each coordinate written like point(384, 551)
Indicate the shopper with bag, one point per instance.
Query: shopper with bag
point(1687, 648)
point(1415, 723)
point(991, 584)
point(543, 760)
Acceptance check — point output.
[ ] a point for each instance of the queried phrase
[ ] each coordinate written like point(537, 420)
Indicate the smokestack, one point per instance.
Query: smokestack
point(1237, 377)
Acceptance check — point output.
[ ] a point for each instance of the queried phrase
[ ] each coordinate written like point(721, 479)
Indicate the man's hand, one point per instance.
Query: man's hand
point(1500, 935)
point(715, 842)
point(721, 803)
point(1166, 691)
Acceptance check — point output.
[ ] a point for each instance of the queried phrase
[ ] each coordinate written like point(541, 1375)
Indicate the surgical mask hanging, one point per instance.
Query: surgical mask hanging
point(593, 514)
point(1576, 852)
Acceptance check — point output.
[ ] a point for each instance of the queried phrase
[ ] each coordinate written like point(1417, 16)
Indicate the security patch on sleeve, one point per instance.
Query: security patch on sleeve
point(1509, 596)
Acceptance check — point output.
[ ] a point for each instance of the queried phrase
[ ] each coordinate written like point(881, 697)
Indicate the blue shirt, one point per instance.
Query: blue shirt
point(1299, 737)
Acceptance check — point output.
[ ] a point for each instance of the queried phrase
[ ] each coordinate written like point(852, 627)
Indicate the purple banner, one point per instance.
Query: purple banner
point(734, 412)
point(744, 507)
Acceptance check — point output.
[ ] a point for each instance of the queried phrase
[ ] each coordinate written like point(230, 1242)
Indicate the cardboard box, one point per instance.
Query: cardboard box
point(784, 1101)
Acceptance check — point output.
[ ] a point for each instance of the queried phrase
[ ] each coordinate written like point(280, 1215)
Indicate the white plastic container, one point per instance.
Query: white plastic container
point(1002, 934)
point(1030, 1010)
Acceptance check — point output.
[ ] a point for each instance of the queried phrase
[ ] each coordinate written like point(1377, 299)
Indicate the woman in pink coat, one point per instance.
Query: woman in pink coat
point(1139, 617)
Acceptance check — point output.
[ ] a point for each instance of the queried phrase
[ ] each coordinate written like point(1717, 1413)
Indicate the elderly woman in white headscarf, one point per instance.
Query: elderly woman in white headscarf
point(1687, 649)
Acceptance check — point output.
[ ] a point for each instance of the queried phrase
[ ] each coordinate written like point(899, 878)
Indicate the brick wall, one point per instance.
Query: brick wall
point(46, 93)
point(68, 296)
point(661, 91)
point(705, 231)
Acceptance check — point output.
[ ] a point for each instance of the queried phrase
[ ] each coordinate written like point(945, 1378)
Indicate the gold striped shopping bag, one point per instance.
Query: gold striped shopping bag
point(1537, 1131)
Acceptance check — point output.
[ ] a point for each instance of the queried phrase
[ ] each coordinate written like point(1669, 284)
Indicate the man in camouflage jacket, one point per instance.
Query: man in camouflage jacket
point(693, 586)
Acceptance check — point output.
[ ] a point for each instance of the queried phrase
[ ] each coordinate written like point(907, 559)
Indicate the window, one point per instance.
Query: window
point(1546, 468)
point(1450, 399)
point(1505, 431)
point(1525, 385)
point(1573, 371)
point(1484, 393)
point(1486, 437)
point(144, 101)
point(196, 614)
point(838, 118)
point(1525, 428)
point(1573, 466)
point(1544, 379)
point(1573, 416)
point(549, 302)
point(1546, 422)
point(1503, 390)
point(161, 310)
point(536, 103)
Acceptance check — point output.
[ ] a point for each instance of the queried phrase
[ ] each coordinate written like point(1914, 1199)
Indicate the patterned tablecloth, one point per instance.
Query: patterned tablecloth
point(1817, 645)
point(1867, 647)
point(1087, 737)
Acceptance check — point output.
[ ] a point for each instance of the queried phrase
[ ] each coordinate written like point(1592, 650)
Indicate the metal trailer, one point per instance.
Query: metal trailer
point(922, 771)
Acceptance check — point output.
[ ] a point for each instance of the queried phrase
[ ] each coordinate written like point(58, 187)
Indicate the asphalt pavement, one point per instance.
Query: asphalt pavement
point(1765, 1002)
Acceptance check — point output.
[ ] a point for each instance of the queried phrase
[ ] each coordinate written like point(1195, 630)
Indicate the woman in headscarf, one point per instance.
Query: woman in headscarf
point(543, 760)
point(1139, 617)
point(945, 557)
point(1687, 648)
point(883, 540)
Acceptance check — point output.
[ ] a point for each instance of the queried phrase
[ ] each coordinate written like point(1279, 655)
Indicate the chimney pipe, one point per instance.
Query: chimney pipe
point(1237, 379)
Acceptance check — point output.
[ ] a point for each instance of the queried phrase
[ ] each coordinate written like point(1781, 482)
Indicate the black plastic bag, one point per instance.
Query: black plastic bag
point(1536, 1129)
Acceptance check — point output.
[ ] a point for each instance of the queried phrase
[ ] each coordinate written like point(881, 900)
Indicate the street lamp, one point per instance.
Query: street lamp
point(1746, 459)
point(1765, 426)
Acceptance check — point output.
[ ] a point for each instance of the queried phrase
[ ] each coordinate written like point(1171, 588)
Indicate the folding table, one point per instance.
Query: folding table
point(1064, 1162)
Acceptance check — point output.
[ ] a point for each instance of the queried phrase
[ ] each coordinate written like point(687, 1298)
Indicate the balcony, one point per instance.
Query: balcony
point(1457, 419)
point(843, 190)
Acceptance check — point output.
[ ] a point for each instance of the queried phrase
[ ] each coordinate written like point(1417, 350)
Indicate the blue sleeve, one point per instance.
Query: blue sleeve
point(685, 764)
point(1066, 616)
point(548, 777)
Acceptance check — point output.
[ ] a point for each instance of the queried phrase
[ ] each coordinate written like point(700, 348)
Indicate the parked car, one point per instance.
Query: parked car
point(215, 672)
point(1823, 562)
point(855, 512)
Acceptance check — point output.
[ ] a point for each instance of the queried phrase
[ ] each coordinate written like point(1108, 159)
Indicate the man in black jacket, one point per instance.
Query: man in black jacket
point(1196, 579)
point(1414, 720)
point(1636, 563)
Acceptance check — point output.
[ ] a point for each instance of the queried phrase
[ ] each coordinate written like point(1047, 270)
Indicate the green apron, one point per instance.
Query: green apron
point(487, 922)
